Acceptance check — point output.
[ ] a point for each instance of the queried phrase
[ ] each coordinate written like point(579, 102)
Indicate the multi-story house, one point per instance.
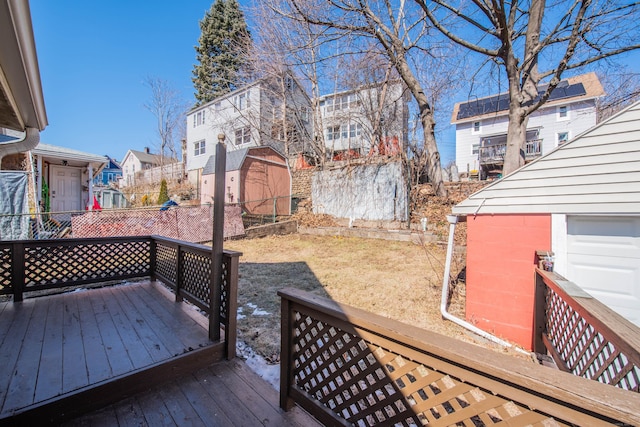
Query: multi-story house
point(273, 112)
point(110, 174)
point(368, 120)
point(136, 161)
point(481, 125)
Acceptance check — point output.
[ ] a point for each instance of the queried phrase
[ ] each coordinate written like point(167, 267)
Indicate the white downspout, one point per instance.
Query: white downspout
point(90, 172)
point(453, 220)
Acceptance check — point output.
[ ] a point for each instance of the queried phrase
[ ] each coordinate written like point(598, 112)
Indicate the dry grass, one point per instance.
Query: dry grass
point(398, 280)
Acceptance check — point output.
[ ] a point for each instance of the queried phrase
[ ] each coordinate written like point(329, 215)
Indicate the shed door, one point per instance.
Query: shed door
point(603, 258)
point(66, 189)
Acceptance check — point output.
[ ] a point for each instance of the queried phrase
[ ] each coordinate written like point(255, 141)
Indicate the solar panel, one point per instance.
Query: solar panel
point(497, 103)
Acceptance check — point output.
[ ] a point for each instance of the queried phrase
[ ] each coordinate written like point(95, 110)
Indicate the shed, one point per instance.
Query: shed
point(582, 202)
point(257, 178)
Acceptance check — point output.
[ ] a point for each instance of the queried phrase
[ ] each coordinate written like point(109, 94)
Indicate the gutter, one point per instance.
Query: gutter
point(29, 142)
point(453, 220)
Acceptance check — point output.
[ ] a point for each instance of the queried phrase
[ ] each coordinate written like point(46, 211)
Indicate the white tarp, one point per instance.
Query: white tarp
point(375, 192)
point(14, 205)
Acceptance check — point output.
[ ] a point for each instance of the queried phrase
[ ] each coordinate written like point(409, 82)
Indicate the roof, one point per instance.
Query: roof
point(235, 159)
point(598, 172)
point(573, 89)
point(145, 157)
point(21, 99)
point(56, 152)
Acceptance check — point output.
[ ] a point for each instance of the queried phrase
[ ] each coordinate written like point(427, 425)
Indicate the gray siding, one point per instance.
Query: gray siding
point(596, 173)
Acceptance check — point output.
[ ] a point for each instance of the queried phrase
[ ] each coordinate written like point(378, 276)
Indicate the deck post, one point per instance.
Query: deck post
point(286, 347)
point(539, 315)
point(217, 239)
point(153, 250)
point(179, 283)
point(17, 270)
point(231, 328)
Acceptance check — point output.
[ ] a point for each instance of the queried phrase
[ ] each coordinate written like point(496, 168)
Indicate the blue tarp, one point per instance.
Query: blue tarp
point(14, 205)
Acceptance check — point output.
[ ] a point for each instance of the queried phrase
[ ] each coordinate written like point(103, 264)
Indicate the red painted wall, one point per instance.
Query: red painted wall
point(500, 272)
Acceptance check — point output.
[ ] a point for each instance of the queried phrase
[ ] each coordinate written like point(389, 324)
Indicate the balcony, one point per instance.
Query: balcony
point(494, 154)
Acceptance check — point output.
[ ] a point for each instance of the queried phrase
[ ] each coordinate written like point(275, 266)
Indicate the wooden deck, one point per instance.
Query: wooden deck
point(56, 348)
point(227, 393)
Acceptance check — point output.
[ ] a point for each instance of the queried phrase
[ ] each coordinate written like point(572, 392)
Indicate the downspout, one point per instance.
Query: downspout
point(453, 220)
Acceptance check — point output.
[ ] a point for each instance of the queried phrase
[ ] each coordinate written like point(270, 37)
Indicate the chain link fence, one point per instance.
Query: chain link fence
point(187, 223)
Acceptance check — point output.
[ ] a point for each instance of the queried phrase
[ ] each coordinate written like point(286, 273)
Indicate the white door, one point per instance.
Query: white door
point(65, 189)
point(603, 258)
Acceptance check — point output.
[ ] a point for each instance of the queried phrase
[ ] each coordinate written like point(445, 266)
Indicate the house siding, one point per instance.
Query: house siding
point(500, 264)
point(581, 117)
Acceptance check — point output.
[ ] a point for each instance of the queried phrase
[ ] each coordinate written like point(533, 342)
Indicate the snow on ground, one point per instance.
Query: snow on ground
point(270, 373)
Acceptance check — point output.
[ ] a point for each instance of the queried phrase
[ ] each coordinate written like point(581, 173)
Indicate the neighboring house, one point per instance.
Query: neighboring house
point(582, 202)
point(481, 124)
point(136, 161)
point(258, 179)
point(68, 175)
point(370, 120)
point(270, 112)
point(110, 174)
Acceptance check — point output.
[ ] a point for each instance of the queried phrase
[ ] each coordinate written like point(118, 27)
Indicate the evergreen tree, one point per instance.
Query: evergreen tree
point(164, 192)
point(221, 50)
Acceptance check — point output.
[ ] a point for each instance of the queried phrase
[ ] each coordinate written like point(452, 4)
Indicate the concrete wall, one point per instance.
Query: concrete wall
point(375, 192)
point(500, 272)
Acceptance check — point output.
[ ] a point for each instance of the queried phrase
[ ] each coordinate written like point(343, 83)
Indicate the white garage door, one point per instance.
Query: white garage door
point(603, 258)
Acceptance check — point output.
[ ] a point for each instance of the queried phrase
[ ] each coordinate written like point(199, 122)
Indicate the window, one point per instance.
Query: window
point(217, 106)
point(242, 101)
point(563, 112)
point(476, 127)
point(475, 148)
point(243, 135)
point(563, 137)
point(304, 114)
point(199, 148)
point(333, 132)
point(329, 105)
point(355, 130)
point(198, 118)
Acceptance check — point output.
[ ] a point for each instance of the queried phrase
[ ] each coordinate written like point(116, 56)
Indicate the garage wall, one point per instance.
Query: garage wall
point(603, 258)
point(500, 272)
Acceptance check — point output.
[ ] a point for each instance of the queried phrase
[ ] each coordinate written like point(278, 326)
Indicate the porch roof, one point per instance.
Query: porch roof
point(74, 157)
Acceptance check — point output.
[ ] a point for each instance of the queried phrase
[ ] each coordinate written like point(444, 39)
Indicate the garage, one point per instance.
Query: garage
point(603, 258)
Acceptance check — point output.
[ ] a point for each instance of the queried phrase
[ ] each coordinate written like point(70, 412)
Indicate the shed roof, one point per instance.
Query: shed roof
point(598, 172)
point(572, 89)
point(234, 161)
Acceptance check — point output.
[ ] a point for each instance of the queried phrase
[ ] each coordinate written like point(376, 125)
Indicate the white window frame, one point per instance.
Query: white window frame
point(473, 127)
point(559, 141)
point(242, 135)
point(199, 148)
point(475, 149)
point(562, 112)
point(333, 133)
point(242, 101)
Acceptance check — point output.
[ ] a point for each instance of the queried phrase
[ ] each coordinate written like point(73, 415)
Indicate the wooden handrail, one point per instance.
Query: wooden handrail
point(346, 366)
point(584, 336)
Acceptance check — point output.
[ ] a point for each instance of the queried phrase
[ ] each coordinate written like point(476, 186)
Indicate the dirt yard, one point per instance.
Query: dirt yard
point(398, 280)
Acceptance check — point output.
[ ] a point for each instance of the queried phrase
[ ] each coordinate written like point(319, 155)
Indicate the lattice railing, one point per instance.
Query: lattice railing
point(584, 336)
point(349, 367)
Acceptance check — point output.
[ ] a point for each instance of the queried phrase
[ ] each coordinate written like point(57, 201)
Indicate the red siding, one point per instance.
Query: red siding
point(500, 279)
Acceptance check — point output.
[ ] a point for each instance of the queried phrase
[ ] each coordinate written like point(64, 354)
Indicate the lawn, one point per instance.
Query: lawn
point(398, 280)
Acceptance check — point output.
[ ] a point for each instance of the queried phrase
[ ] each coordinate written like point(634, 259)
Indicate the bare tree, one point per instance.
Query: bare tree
point(622, 89)
point(532, 41)
point(395, 32)
point(169, 110)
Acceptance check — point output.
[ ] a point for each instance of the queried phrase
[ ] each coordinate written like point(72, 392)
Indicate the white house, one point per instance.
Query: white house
point(369, 120)
point(136, 161)
point(481, 124)
point(272, 111)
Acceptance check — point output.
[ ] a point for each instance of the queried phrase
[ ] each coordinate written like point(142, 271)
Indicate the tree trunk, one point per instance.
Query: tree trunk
point(434, 169)
point(514, 156)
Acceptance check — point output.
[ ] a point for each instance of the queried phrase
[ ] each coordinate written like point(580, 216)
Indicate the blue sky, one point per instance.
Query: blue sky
point(94, 57)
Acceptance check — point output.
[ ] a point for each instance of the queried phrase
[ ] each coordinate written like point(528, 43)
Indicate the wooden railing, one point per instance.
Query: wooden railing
point(349, 367)
point(584, 336)
point(495, 153)
point(36, 265)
